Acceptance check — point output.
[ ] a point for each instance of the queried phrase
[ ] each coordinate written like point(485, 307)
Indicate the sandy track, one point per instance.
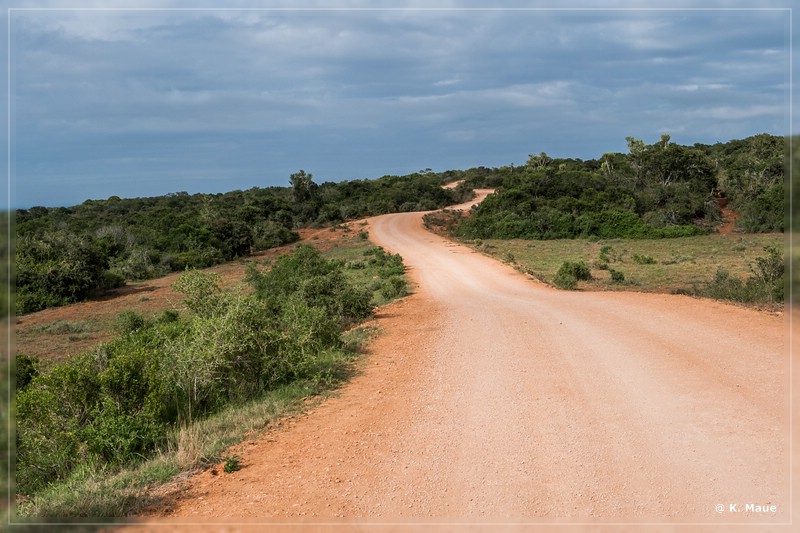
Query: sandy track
point(491, 398)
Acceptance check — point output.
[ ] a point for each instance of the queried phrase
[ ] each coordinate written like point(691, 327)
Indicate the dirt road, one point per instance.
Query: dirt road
point(492, 398)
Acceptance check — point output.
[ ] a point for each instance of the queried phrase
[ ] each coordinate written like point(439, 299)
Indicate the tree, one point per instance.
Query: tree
point(607, 166)
point(636, 149)
point(303, 186)
point(539, 161)
point(676, 163)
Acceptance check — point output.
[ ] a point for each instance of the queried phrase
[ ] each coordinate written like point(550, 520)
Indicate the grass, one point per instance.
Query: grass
point(661, 265)
point(63, 336)
point(357, 338)
point(64, 327)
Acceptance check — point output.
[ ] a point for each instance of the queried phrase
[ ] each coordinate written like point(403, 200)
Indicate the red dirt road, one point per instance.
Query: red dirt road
point(491, 398)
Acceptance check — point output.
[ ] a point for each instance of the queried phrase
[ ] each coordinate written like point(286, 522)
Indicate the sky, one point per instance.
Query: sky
point(154, 100)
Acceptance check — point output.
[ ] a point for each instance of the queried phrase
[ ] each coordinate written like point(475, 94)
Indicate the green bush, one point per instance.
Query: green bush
point(218, 357)
point(643, 259)
point(110, 279)
point(134, 373)
point(117, 437)
point(128, 322)
point(203, 291)
point(232, 464)
point(766, 284)
point(27, 368)
point(202, 256)
point(169, 316)
point(604, 251)
point(616, 276)
point(336, 295)
point(355, 265)
point(306, 333)
point(724, 286)
point(319, 282)
point(57, 268)
point(270, 234)
point(577, 269)
point(289, 272)
point(566, 281)
point(388, 264)
point(766, 212)
point(394, 287)
point(108, 406)
point(137, 264)
point(770, 269)
point(770, 273)
point(51, 412)
point(570, 273)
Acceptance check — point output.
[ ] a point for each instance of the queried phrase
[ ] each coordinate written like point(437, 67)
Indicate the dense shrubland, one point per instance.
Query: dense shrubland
point(751, 175)
point(121, 402)
point(653, 191)
point(66, 254)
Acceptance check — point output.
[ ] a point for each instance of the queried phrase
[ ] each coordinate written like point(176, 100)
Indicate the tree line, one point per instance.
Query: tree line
point(67, 254)
point(652, 191)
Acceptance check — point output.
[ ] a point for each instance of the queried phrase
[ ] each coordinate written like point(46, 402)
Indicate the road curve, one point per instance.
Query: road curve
point(491, 398)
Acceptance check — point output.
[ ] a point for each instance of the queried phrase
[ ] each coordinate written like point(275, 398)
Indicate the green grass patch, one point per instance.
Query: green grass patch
point(64, 327)
point(674, 265)
point(357, 339)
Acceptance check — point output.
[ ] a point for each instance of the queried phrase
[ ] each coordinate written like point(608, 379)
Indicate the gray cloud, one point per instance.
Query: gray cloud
point(187, 100)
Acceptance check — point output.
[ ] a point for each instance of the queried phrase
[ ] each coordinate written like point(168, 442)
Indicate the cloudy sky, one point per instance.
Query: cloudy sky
point(150, 101)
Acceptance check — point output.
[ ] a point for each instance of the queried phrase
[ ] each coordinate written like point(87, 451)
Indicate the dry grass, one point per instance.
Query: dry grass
point(189, 448)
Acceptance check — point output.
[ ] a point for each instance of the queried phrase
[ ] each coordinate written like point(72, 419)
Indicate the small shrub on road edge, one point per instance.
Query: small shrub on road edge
point(570, 273)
